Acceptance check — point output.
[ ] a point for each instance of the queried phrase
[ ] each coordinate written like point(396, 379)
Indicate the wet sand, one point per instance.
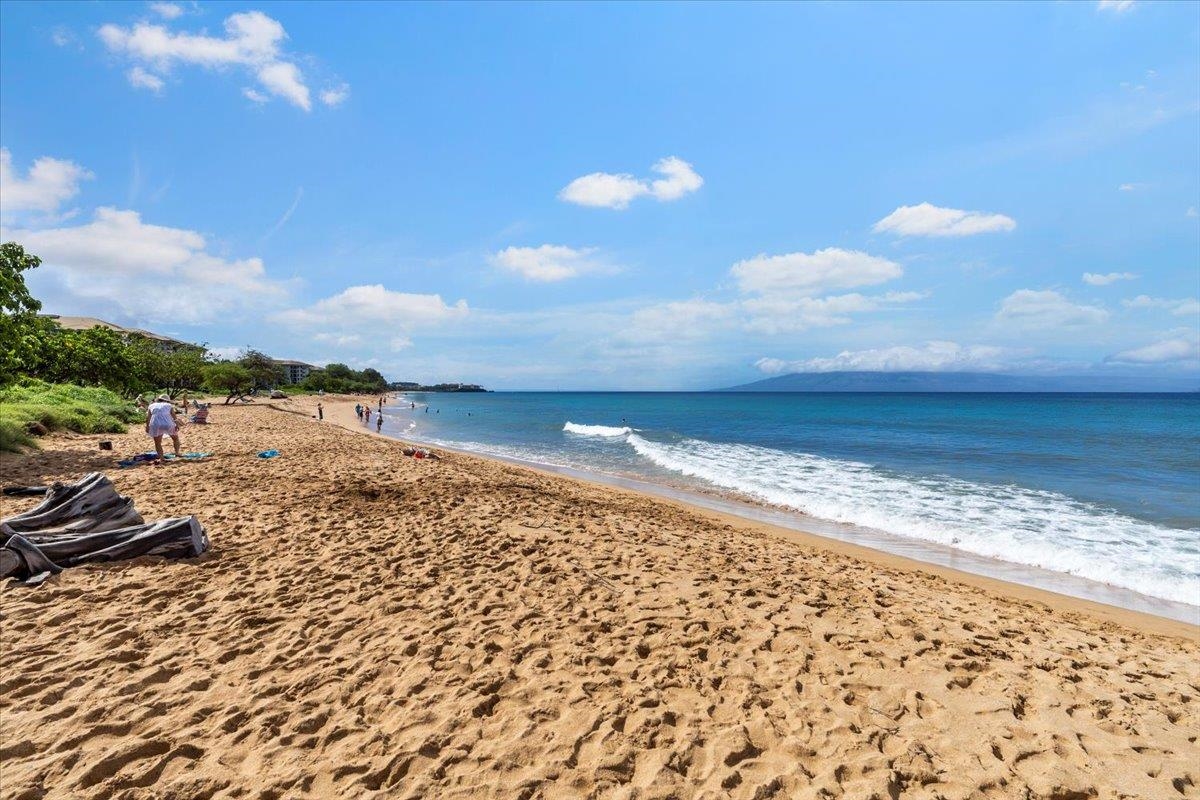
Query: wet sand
point(371, 625)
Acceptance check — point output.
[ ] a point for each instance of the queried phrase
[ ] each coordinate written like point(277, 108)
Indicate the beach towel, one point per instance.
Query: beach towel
point(268, 454)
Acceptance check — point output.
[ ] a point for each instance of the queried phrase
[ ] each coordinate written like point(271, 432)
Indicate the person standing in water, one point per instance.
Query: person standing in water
point(160, 422)
point(379, 424)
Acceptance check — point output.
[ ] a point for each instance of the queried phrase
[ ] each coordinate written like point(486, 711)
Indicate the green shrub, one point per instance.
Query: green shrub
point(34, 407)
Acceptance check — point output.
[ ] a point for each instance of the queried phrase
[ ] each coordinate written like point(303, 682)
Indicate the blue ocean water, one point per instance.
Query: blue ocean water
point(1104, 487)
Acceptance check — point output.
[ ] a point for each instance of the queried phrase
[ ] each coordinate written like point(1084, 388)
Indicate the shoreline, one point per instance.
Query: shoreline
point(373, 626)
point(772, 522)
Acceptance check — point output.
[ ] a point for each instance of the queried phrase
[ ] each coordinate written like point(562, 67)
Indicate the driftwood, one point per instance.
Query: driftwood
point(90, 505)
point(32, 562)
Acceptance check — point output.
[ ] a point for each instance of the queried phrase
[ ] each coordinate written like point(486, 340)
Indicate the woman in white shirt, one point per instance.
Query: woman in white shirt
point(160, 421)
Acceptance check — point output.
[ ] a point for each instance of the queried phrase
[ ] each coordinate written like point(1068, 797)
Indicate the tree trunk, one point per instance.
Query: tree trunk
point(89, 505)
point(33, 562)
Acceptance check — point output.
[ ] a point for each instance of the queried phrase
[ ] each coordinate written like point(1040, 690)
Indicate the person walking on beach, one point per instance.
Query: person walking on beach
point(367, 414)
point(160, 422)
point(320, 412)
point(358, 411)
point(379, 423)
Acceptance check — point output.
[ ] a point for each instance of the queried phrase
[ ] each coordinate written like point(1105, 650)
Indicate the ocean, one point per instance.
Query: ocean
point(1101, 487)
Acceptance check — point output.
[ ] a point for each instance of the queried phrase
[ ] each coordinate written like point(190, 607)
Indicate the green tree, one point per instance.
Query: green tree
point(229, 377)
point(174, 370)
point(94, 357)
point(374, 379)
point(263, 370)
point(21, 329)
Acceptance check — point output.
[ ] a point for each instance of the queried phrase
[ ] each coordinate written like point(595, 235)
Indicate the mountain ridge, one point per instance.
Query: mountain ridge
point(918, 381)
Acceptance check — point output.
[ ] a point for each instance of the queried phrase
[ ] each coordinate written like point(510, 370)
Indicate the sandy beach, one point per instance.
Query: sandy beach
point(371, 625)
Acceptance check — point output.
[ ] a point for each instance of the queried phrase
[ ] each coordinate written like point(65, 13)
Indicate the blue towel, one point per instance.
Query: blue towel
point(268, 454)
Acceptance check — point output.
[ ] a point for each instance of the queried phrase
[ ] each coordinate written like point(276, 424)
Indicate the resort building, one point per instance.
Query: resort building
point(163, 343)
point(294, 371)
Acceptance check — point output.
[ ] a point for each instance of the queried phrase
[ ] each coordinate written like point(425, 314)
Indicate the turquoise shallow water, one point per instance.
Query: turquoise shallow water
point(1104, 487)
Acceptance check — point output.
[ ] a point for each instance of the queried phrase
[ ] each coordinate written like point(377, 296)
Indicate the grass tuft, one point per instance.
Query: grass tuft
point(34, 408)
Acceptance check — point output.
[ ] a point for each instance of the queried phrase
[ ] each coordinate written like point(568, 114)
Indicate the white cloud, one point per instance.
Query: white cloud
point(1180, 308)
point(254, 96)
point(609, 190)
point(141, 79)
point(1115, 6)
point(679, 179)
point(1095, 279)
point(1047, 309)
point(167, 10)
point(935, 356)
point(783, 314)
point(62, 37)
point(677, 320)
point(336, 95)
point(367, 309)
point(1182, 348)
point(49, 183)
point(549, 262)
point(926, 219)
point(229, 352)
point(150, 272)
point(283, 79)
point(1192, 212)
point(812, 273)
point(252, 41)
point(1131, 187)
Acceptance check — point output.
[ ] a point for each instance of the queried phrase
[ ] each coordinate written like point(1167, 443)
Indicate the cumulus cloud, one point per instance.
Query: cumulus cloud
point(336, 95)
point(167, 10)
point(1115, 6)
point(934, 356)
point(677, 320)
point(781, 314)
point(617, 191)
point(780, 293)
point(1180, 348)
point(150, 272)
point(549, 262)
point(926, 219)
point(1047, 309)
point(252, 41)
point(1094, 279)
point(1180, 308)
point(141, 79)
point(254, 96)
point(372, 308)
point(810, 273)
point(48, 184)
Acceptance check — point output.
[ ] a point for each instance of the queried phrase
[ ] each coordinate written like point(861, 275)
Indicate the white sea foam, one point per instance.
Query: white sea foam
point(595, 430)
point(1024, 526)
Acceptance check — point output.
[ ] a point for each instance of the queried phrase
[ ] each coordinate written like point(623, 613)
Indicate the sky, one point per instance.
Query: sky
point(617, 196)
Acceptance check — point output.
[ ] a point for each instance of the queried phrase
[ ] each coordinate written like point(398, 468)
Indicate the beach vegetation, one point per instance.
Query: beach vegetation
point(19, 320)
point(341, 379)
point(31, 407)
point(229, 378)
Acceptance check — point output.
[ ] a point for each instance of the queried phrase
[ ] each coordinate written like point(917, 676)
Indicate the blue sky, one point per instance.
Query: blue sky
point(658, 196)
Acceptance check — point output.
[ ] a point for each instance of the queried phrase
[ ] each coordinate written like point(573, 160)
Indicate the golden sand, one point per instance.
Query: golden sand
point(370, 625)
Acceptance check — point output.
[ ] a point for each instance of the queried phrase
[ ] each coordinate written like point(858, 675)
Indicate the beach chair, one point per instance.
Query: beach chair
point(201, 415)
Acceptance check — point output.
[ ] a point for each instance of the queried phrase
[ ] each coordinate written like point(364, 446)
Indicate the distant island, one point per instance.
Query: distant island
point(409, 386)
point(962, 382)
